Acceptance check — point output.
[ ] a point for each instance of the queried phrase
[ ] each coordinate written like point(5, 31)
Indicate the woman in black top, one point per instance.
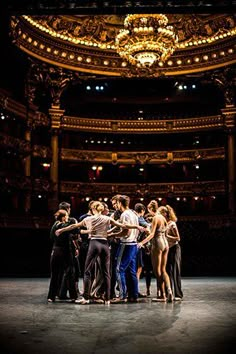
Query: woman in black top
point(61, 258)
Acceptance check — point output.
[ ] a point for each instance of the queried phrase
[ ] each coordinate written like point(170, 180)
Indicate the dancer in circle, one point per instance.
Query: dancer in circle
point(173, 266)
point(61, 261)
point(97, 287)
point(98, 225)
point(75, 269)
point(159, 252)
point(140, 209)
point(114, 245)
point(126, 268)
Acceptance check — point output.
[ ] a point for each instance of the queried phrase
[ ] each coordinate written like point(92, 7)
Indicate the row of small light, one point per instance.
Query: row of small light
point(124, 64)
point(100, 168)
point(186, 87)
point(100, 199)
point(106, 62)
point(97, 168)
point(105, 141)
point(101, 88)
point(4, 116)
point(97, 88)
point(91, 43)
point(178, 199)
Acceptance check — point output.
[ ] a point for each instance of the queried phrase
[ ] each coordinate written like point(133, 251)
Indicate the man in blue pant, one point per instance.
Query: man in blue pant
point(127, 253)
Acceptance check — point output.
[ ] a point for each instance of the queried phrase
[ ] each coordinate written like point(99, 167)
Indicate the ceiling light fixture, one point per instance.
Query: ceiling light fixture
point(146, 40)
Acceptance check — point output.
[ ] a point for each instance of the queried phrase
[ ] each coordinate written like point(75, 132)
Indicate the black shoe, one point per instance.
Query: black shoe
point(141, 295)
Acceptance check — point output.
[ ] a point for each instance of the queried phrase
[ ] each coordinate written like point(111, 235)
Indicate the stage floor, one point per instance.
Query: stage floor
point(204, 322)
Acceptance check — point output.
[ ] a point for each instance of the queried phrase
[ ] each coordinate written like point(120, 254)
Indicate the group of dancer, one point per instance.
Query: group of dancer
point(121, 244)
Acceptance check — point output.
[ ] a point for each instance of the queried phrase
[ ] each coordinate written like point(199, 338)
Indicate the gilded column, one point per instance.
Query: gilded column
point(229, 114)
point(28, 158)
point(55, 113)
point(31, 111)
point(27, 167)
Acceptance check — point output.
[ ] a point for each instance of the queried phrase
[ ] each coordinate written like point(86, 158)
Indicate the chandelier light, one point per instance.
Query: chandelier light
point(146, 40)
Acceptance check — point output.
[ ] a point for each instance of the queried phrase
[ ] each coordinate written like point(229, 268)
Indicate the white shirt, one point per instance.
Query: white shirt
point(129, 217)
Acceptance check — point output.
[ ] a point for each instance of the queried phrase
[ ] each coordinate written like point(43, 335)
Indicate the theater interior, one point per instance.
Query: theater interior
point(99, 98)
point(81, 122)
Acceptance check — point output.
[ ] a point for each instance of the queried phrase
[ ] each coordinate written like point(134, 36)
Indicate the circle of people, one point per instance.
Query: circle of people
point(111, 250)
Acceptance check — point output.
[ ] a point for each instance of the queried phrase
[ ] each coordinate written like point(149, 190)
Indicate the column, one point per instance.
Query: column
point(27, 167)
point(229, 114)
point(55, 113)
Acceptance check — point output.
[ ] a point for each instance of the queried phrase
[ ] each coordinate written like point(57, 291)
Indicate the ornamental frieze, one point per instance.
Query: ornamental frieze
point(152, 190)
point(143, 157)
point(144, 126)
point(42, 151)
point(15, 183)
point(20, 146)
point(87, 43)
point(19, 183)
point(20, 111)
point(42, 185)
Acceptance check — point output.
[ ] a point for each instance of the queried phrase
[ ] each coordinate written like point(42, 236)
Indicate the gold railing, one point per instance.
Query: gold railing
point(141, 127)
point(154, 157)
point(150, 190)
point(179, 125)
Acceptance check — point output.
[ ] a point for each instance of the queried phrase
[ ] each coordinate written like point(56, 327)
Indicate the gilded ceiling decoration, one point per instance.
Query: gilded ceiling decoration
point(87, 43)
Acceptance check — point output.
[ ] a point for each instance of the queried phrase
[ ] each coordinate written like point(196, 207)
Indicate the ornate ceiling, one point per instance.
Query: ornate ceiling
point(87, 43)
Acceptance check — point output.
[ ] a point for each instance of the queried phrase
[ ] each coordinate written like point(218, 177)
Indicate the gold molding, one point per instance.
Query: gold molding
point(154, 157)
point(20, 110)
point(22, 146)
point(117, 126)
point(151, 190)
point(141, 127)
point(206, 44)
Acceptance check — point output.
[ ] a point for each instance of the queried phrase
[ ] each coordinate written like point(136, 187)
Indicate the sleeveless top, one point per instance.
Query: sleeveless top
point(159, 241)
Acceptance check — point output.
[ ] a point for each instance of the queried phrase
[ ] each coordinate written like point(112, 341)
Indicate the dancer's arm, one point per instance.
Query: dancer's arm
point(53, 228)
point(69, 228)
point(122, 233)
point(126, 226)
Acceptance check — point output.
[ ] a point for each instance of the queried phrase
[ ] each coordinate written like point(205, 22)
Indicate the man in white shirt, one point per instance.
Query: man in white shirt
point(127, 253)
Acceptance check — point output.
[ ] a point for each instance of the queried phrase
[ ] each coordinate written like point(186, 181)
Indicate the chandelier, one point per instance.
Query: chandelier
point(146, 40)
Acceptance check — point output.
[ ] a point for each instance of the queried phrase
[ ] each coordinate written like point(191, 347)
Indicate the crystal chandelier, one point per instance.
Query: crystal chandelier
point(146, 40)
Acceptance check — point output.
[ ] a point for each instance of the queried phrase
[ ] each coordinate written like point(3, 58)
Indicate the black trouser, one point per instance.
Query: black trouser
point(173, 269)
point(75, 269)
point(97, 248)
point(114, 247)
point(61, 265)
point(83, 255)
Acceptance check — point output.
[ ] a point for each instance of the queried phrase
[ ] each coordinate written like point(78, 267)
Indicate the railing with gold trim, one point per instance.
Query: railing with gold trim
point(151, 189)
point(154, 157)
point(141, 127)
